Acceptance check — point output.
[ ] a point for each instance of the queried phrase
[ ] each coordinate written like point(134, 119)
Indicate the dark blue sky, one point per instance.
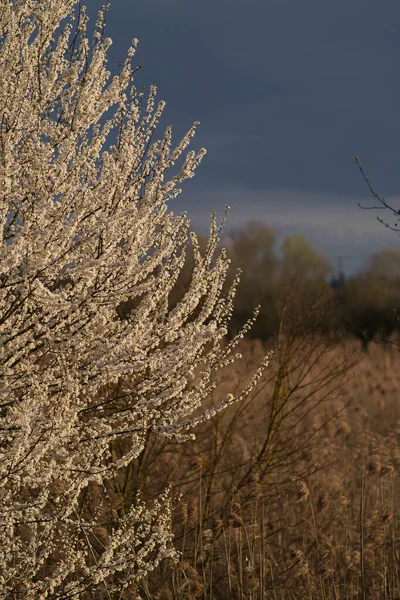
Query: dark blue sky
point(287, 92)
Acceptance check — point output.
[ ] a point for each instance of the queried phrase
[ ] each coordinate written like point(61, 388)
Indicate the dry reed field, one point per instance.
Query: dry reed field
point(292, 493)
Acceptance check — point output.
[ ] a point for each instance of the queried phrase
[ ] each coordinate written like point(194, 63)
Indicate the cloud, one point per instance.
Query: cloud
point(286, 92)
point(287, 208)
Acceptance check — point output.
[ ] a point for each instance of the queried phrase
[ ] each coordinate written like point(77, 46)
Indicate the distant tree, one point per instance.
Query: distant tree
point(385, 264)
point(369, 299)
point(255, 243)
point(252, 250)
point(85, 227)
point(300, 261)
point(268, 280)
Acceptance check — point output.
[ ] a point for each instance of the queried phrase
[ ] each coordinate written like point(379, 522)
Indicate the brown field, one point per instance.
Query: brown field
point(294, 492)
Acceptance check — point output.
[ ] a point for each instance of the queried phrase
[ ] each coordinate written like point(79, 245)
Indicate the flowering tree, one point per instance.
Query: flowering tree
point(85, 226)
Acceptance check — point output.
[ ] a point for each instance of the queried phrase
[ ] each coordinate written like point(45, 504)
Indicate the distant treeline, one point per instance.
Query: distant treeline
point(297, 276)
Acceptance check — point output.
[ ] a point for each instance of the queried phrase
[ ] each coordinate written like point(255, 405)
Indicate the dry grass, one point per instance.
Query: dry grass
point(292, 493)
point(295, 492)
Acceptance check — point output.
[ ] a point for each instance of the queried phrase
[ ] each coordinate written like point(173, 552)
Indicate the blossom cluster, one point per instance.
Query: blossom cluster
point(85, 227)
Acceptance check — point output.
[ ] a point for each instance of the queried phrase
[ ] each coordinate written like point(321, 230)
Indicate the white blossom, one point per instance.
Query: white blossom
point(85, 226)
